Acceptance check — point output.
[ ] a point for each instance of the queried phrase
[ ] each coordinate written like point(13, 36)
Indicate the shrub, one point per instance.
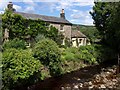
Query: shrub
point(69, 56)
point(88, 54)
point(71, 53)
point(72, 50)
point(48, 53)
point(104, 53)
point(39, 37)
point(19, 68)
point(15, 43)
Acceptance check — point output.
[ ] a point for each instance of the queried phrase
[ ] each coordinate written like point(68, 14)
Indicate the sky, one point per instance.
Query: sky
point(76, 11)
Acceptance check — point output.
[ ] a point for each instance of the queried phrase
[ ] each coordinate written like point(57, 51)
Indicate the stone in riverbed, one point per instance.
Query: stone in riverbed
point(68, 88)
point(102, 86)
point(80, 85)
point(76, 87)
point(90, 83)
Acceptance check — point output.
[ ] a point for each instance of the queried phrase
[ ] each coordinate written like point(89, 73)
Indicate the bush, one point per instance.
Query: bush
point(104, 53)
point(15, 43)
point(39, 37)
point(69, 56)
point(48, 53)
point(88, 54)
point(72, 50)
point(19, 68)
point(71, 53)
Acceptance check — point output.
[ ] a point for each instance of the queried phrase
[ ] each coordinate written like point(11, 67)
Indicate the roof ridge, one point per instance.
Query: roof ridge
point(44, 17)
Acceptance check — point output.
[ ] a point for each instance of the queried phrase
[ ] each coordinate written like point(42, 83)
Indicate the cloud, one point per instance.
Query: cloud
point(17, 7)
point(65, 5)
point(76, 15)
point(84, 4)
point(82, 17)
point(30, 2)
point(29, 9)
point(3, 5)
point(69, 4)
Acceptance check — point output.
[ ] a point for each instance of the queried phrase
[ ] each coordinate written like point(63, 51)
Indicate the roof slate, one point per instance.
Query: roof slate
point(77, 34)
point(44, 18)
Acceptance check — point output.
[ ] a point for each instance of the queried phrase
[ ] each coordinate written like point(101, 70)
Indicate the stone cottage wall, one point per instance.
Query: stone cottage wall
point(66, 30)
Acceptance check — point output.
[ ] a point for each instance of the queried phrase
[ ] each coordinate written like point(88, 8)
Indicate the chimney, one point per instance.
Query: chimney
point(62, 14)
point(10, 6)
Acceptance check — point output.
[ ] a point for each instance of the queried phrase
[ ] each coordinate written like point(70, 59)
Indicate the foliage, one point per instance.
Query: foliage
point(52, 33)
point(48, 53)
point(113, 34)
point(90, 31)
point(100, 14)
point(69, 54)
point(22, 28)
point(107, 21)
point(39, 37)
point(14, 23)
point(68, 43)
point(15, 43)
point(88, 54)
point(19, 68)
point(104, 53)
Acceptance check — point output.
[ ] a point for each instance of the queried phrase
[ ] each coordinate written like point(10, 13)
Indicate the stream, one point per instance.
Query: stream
point(73, 80)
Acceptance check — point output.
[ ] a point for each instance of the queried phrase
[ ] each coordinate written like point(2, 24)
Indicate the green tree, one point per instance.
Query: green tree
point(113, 35)
point(107, 21)
point(100, 14)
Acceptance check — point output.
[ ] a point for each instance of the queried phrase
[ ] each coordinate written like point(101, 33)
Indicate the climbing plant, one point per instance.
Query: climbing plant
point(22, 28)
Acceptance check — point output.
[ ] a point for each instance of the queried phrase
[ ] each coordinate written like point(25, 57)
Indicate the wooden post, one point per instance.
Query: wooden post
point(118, 68)
point(118, 63)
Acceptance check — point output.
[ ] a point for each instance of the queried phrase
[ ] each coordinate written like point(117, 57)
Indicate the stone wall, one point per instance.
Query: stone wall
point(66, 30)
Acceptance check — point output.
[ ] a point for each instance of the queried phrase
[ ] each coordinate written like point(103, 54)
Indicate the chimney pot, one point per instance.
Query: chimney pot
point(62, 11)
point(62, 14)
point(10, 6)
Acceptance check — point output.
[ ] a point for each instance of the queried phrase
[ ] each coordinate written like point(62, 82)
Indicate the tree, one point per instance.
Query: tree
point(113, 35)
point(100, 14)
point(107, 21)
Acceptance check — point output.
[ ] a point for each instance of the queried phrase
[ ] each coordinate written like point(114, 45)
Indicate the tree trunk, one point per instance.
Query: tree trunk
point(118, 69)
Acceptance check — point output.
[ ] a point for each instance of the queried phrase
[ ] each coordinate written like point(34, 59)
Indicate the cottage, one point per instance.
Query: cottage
point(78, 38)
point(63, 25)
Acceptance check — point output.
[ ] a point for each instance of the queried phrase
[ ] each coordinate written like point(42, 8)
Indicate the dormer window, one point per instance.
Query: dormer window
point(61, 27)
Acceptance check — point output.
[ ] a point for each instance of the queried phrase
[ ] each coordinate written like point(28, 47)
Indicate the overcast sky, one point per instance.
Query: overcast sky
point(76, 11)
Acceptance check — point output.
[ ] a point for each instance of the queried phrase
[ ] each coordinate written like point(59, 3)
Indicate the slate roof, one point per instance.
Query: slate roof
point(77, 34)
point(44, 18)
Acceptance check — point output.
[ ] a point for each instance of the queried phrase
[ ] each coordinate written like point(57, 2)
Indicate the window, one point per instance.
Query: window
point(80, 40)
point(61, 27)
